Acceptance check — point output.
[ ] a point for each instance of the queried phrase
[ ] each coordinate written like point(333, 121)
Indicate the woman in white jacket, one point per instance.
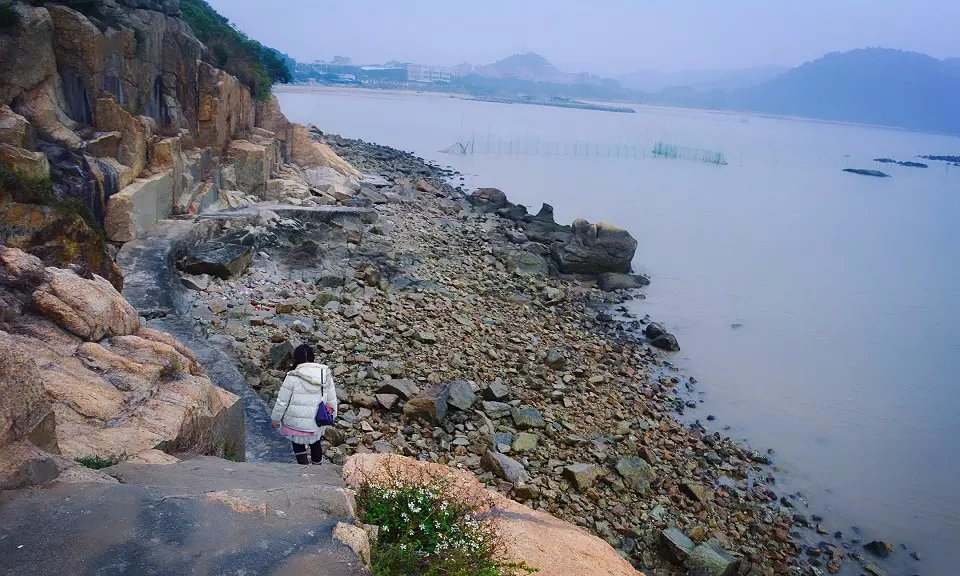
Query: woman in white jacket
point(294, 413)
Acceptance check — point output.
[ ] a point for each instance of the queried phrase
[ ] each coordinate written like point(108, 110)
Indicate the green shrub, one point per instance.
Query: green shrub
point(97, 462)
point(9, 17)
point(428, 530)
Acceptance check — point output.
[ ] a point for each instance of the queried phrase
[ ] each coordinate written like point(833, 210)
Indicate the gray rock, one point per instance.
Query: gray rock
point(666, 342)
point(487, 199)
point(495, 409)
point(430, 406)
point(281, 355)
point(525, 442)
point(879, 548)
point(403, 388)
point(582, 476)
point(504, 467)
point(387, 401)
point(556, 359)
point(425, 337)
point(375, 181)
point(199, 283)
point(462, 395)
point(527, 417)
point(611, 281)
point(696, 491)
point(637, 473)
point(653, 330)
point(497, 390)
point(217, 259)
point(675, 545)
point(530, 264)
point(711, 561)
point(516, 237)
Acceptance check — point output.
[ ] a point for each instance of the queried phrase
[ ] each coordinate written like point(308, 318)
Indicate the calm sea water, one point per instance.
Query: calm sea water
point(847, 287)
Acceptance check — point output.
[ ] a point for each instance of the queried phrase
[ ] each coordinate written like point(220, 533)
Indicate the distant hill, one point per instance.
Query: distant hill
point(532, 67)
point(872, 85)
point(703, 80)
point(529, 66)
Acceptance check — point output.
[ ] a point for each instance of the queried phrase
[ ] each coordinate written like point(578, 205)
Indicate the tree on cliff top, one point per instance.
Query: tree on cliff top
point(254, 64)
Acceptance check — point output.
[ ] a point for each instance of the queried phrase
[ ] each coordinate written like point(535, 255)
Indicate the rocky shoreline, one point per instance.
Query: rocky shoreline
point(455, 341)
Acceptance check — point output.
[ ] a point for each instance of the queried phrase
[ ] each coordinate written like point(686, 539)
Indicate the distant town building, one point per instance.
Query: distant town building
point(429, 74)
point(383, 74)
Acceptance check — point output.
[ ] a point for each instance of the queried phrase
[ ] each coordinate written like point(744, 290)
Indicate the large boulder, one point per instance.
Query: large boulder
point(637, 473)
point(487, 199)
point(430, 406)
point(595, 249)
point(251, 164)
point(582, 476)
point(217, 259)
point(711, 560)
point(307, 153)
point(136, 208)
point(90, 308)
point(543, 542)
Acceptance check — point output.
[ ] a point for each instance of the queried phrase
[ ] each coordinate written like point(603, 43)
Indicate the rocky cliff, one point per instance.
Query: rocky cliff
point(113, 115)
point(81, 377)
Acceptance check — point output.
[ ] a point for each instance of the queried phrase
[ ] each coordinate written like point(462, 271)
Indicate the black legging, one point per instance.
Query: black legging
point(300, 451)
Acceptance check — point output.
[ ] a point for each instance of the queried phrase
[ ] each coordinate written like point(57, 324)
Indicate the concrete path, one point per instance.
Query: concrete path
point(153, 287)
point(196, 518)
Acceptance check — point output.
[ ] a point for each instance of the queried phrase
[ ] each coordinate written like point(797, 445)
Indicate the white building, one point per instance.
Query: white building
point(429, 74)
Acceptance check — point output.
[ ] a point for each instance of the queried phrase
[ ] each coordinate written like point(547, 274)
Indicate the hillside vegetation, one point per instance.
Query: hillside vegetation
point(230, 49)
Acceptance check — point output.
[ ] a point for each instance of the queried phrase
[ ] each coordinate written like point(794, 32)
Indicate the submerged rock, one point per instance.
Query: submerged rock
point(865, 172)
point(612, 281)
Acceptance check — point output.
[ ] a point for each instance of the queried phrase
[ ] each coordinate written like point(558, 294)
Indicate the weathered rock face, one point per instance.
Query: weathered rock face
point(226, 108)
point(544, 542)
point(488, 199)
point(79, 376)
point(132, 211)
point(32, 42)
point(595, 249)
point(307, 153)
point(270, 117)
point(251, 164)
point(57, 240)
point(15, 130)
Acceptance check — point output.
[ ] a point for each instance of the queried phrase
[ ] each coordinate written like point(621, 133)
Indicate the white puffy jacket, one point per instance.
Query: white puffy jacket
point(303, 389)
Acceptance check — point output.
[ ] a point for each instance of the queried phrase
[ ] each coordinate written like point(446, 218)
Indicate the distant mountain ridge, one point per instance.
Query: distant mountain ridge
point(871, 85)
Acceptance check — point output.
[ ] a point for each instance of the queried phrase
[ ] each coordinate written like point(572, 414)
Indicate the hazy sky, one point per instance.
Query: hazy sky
point(601, 36)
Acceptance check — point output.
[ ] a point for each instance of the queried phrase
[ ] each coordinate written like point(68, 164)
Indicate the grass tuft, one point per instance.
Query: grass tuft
point(97, 462)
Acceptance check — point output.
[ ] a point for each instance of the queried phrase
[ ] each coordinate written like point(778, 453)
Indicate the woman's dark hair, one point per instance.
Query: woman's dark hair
point(303, 354)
